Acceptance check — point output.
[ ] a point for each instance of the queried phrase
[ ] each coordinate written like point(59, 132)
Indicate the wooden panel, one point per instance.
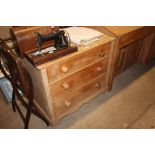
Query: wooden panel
point(131, 54)
point(68, 84)
point(135, 35)
point(146, 48)
point(152, 51)
point(81, 49)
point(70, 65)
point(67, 104)
point(111, 64)
point(121, 30)
point(39, 86)
point(120, 61)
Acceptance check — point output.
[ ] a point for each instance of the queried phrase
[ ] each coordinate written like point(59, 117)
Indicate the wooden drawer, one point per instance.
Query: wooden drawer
point(77, 62)
point(67, 104)
point(66, 85)
point(136, 35)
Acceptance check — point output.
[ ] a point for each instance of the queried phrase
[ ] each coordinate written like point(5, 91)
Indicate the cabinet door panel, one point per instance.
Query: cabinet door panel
point(131, 54)
point(128, 56)
point(152, 50)
point(147, 51)
point(120, 61)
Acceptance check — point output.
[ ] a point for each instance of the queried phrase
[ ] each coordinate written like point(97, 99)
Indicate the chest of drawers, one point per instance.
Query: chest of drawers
point(63, 85)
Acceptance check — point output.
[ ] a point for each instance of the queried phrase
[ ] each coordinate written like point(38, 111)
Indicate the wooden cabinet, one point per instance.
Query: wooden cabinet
point(136, 44)
point(128, 56)
point(147, 52)
point(61, 86)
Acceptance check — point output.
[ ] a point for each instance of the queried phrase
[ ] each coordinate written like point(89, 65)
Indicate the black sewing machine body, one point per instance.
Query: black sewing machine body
point(61, 40)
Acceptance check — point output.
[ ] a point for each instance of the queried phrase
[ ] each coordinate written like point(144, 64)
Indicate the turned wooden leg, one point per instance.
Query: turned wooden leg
point(28, 115)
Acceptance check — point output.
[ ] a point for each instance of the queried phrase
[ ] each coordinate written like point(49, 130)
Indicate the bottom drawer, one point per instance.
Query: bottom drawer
point(66, 104)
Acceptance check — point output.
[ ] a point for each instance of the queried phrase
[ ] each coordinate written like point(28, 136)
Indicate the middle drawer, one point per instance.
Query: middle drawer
point(64, 86)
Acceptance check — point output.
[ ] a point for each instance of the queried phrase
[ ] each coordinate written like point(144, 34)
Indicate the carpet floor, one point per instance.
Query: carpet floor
point(130, 105)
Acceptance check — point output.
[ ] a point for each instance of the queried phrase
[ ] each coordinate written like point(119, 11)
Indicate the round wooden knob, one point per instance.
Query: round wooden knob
point(98, 85)
point(67, 103)
point(101, 54)
point(99, 69)
point(64, 69)
point(65, 86)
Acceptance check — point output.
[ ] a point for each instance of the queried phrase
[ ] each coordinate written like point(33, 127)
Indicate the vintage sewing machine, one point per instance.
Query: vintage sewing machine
point(40, 44)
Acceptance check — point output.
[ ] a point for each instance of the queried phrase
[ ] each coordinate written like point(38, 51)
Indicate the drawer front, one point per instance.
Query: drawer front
point(74, 81)
point(136, 35)
point(66, 104)
point(77, 62)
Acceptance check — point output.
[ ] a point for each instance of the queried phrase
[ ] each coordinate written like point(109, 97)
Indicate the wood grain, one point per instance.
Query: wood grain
point(77, 62)
point(78, 97)
point(136, 35)
point(131, 54)
point(121, 30)
point(74, 81)
point(130, 40)
point(147, 52)
point(81, 49)
point(39, 85)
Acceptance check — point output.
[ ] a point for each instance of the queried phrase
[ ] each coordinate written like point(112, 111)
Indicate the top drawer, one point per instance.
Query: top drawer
point(135, 35)
point(70, 65)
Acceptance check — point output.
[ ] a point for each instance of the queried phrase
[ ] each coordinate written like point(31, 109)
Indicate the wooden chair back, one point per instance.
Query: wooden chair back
point(11, 66)
point(13, 70)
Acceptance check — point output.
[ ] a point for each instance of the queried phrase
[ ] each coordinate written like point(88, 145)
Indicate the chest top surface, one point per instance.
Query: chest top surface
point(122, 30)
point(103, 40)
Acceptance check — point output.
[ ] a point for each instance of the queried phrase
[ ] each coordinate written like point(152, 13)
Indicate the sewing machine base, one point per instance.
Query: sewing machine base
point(40, 59)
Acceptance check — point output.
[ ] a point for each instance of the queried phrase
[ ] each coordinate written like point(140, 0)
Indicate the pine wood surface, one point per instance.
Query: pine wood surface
point(78, 61)
point(72, 101)
point(103, 40)
point(122, 30)
point(76, 80)
point(147, 52)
